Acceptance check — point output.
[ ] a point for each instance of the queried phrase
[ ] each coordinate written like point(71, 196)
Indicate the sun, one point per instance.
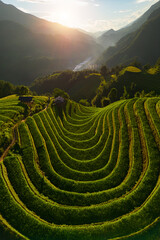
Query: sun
point(70, 13)
point(65, 18)
point(65, 13)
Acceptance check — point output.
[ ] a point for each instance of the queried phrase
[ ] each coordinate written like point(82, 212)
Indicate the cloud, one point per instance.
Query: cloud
point(142, 1)
point(87, 2)
point(35, 1)
point(100, 25)
point(116, 23)
point(34, 12)
point(82, 3)
point(123, 11)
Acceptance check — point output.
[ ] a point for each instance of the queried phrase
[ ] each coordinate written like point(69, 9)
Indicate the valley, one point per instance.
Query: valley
point(79, 120)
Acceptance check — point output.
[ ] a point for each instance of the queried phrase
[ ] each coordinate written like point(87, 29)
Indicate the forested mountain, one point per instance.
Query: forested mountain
point(31, 47)
point(141, 45)
point(79, 85)
point(111, 37)
point(37, 25)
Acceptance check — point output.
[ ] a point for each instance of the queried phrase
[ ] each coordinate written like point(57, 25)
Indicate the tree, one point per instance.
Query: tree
point(133, 89)
point(137, 64)
point(137, 94)
point(105, 102)
point(115, 70)
point(125, 94)
point(96, 101)
point(146, 67)
point(104, 72)
point(158, 61)
point(84, 102)
point(102, 87)
point(22, 90)
point(143, 94)
point(112, 95)
point(6, 88)
point(59, 92)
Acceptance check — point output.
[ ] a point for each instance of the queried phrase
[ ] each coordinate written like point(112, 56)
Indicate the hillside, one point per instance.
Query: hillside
point(88, 84)
point(32, 47)
point(81, 84)
point(142, 45)
point(135, 80)
point(11, 112)
point(111, 37)
point(84, 173)
point(37, 25)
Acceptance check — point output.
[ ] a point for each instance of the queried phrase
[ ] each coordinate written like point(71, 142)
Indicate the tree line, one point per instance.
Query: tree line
point(94, 87)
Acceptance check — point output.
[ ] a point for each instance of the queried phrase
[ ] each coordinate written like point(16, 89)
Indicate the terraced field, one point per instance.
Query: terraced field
point(84, 173)
point(10, 109)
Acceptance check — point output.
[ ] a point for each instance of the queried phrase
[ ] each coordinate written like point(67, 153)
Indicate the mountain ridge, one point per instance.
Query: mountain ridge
point(141, 45)
point(111, 39)
point(59, 49)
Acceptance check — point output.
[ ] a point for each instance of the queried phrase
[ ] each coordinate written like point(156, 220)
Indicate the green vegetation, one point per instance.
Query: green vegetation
point(11, 112)
point(79, 85)
point(7, 88)
point(128, 82)
point(101, 87)
point(94, 87)
point(133, 42)
point(130, 69)
point(87, 168)
point(87, 173)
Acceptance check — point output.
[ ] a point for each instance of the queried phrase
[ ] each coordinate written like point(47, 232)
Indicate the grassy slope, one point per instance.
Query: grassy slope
point(11, 112)
point(85, 173)
point(135, 80)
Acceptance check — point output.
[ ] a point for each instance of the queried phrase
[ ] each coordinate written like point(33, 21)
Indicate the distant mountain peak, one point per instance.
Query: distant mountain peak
point(39, 46)
point(109, 32)
point(136, 45)
point(111, 37)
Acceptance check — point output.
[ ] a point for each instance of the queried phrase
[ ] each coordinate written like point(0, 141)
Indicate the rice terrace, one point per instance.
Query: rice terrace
point(79, 172)
point(80, 120)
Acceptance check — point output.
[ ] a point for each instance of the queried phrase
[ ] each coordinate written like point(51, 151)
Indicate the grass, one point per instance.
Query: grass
point(83, 173)
point(13, 111)
point(131, 69)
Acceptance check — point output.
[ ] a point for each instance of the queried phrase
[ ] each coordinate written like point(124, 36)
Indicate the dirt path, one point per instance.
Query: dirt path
point(11, 144)
point(5, 153)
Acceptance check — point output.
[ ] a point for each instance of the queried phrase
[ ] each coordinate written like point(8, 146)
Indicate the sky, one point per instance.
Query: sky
point(89, 15)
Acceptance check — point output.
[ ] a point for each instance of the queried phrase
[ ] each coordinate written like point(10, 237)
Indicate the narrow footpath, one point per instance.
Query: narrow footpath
point(11, 144)
point(5, 153)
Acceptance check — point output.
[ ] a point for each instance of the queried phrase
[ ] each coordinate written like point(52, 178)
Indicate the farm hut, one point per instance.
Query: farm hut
point(26, 99)
point(59, 101)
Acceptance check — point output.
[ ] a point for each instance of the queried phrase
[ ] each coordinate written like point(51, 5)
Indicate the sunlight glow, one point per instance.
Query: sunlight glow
point(66, 13)
point(64, 18)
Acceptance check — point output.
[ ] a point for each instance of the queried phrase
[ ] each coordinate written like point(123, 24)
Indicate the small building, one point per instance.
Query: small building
point(26, 99)
point(59, 101)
